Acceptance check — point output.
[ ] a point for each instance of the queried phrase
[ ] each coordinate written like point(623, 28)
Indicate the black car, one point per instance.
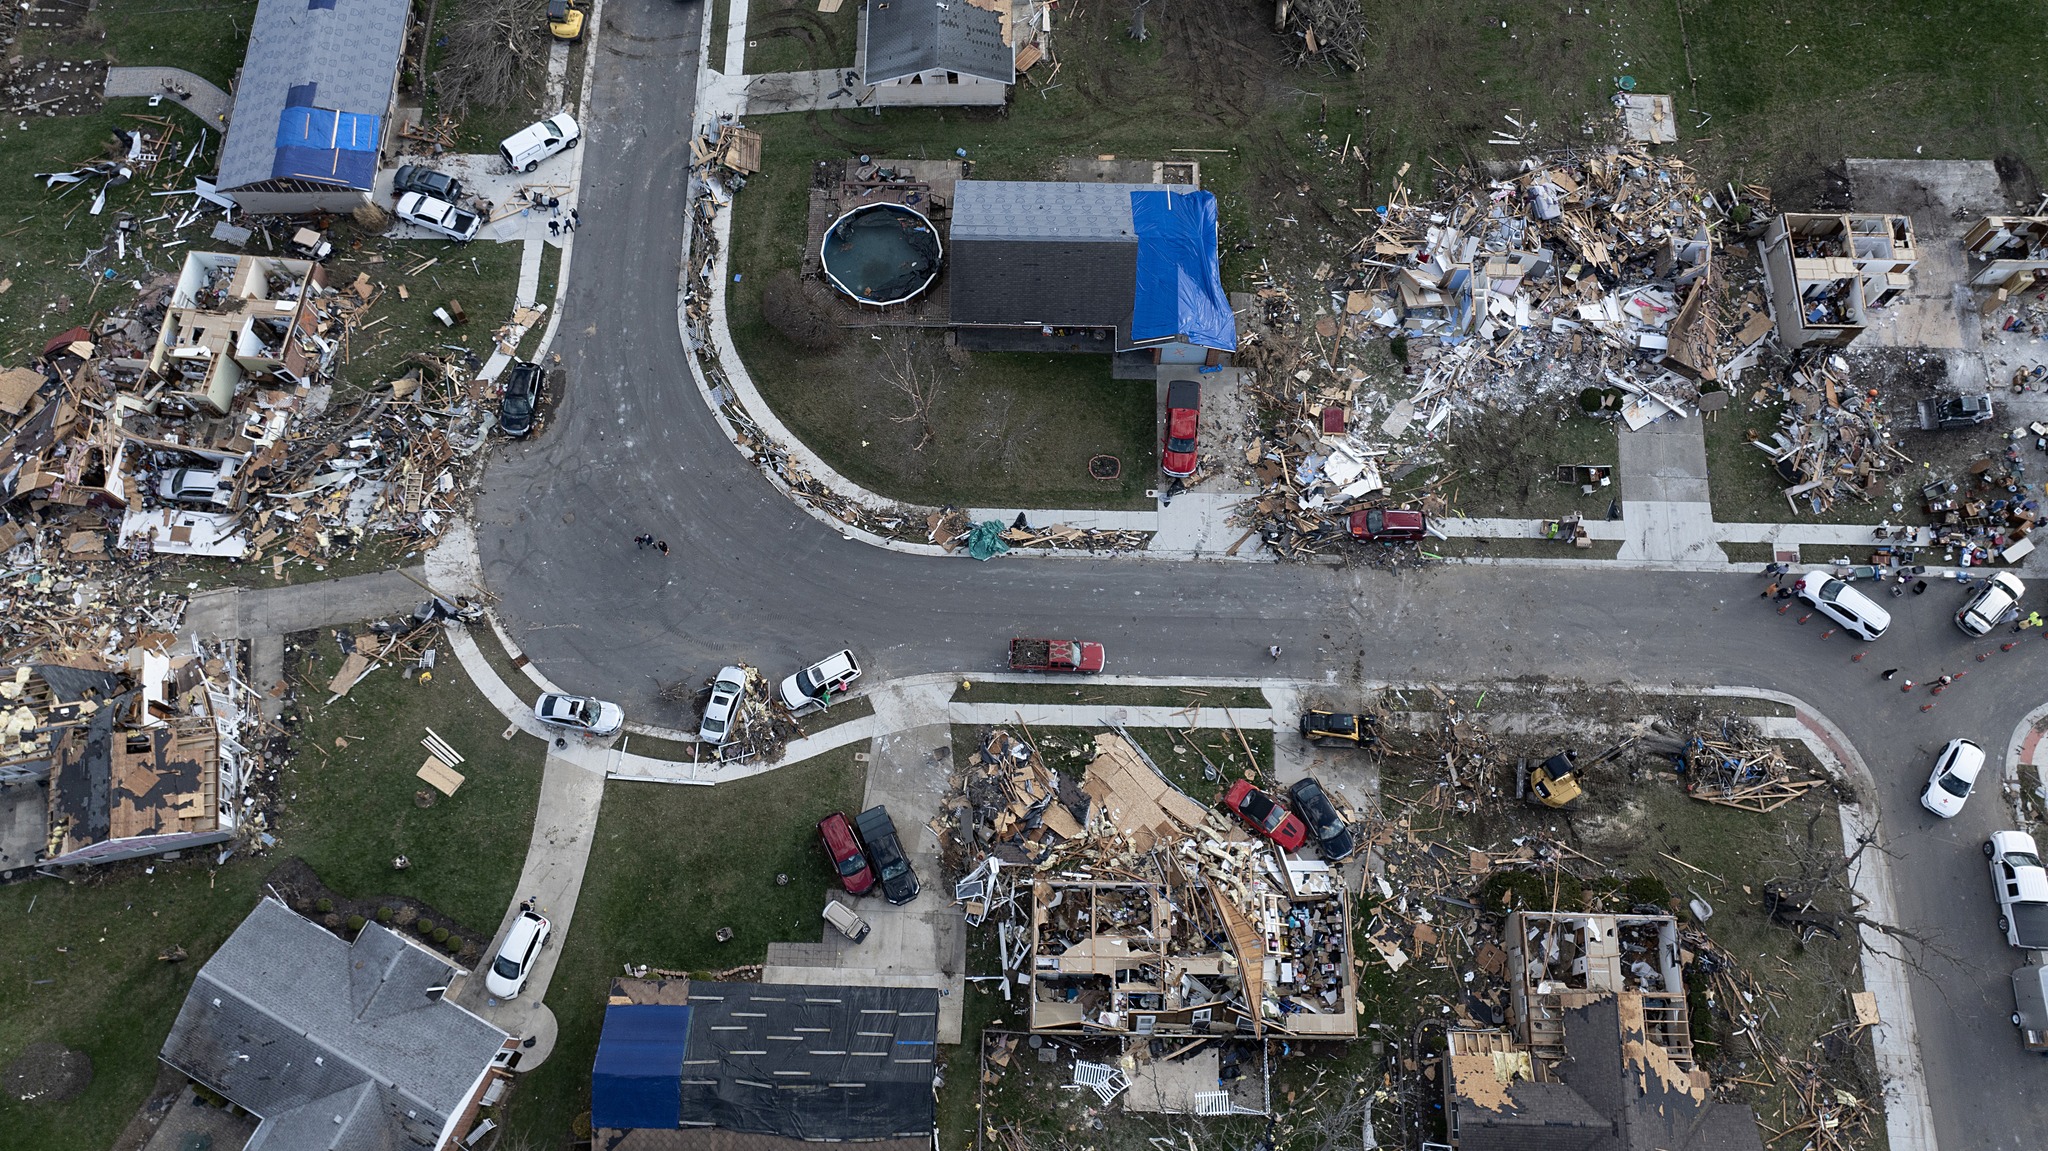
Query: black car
point(521, 402)
point(427, 182)
point(885, 851)
point(1313, 804)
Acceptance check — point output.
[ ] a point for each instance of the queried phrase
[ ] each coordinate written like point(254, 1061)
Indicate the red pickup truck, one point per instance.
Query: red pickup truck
point(1055, 655)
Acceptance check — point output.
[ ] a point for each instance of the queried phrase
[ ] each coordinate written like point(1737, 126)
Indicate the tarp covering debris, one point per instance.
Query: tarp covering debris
point(986, 540)
point(1179, 292)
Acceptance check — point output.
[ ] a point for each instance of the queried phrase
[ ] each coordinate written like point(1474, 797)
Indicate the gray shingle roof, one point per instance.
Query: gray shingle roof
point(1046, 210)
point(1071, 284)
point(293, 1024)
point(905, 37)
point(347, 52)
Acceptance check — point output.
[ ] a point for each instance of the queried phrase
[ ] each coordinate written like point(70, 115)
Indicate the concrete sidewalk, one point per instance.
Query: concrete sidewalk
point(194, 93)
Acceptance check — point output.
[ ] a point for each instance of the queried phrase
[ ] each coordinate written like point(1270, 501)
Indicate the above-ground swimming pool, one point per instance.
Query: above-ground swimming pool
point(881, 253)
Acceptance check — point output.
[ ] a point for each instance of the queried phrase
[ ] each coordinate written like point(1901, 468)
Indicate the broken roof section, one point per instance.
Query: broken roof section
point(906, 37)
point(1601, 1057)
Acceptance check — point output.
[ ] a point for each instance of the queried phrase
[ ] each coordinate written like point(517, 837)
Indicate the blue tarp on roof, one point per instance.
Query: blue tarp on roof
point(639, 1074)
point(1179, 293)
point(322, 144)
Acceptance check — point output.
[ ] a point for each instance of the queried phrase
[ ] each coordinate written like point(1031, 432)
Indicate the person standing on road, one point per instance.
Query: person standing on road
point(661, 546)
point(1770, 589)
point(1274, 651)
point(1889, 673)
point(643, 539)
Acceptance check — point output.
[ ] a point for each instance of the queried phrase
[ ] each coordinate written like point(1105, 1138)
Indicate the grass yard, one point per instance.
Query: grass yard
point(793, 36)
point(1115, 695)
point(78, 967)
point(669, 865)
point(348, 811)
point(206, 37)
point(1509, 464)
point(482, 276)
point(721, 20)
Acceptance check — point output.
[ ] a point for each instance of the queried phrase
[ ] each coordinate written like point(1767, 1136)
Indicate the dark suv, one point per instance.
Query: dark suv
point(427, 182)
point(885, 851)
point(521, 402)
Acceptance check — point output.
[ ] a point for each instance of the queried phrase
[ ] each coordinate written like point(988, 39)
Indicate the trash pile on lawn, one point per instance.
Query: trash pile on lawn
point(1591, 273)
point(1834, 440)
point(1727, 762)
point(1124, 907)
point(953, 530)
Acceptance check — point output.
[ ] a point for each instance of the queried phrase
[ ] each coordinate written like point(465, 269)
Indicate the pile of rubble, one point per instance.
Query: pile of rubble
point(1728, 763)
point(1590, 273)
point(1127, 908)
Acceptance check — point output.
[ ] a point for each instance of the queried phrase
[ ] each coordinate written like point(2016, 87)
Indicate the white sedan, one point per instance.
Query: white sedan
point(726, 690)
point(1955, 772)
point(579, 713)
point(439, 216)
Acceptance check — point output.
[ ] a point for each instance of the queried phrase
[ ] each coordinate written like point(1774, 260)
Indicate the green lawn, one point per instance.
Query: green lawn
point(207, 37)
point(349, 811)
point(1114, 695)
point(793, 36)
point(669, 866)
point(78, 967)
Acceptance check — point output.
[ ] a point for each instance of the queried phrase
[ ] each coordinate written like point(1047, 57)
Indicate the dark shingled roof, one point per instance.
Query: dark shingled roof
point(337, 1047)
point(905, 37)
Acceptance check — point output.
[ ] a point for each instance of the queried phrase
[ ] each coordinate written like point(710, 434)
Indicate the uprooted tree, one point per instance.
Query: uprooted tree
point(493, 54)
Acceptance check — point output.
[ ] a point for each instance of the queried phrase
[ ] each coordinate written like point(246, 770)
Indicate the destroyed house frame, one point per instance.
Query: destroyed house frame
point(1561, 960)
point(1824, 273)
point(1132, 972)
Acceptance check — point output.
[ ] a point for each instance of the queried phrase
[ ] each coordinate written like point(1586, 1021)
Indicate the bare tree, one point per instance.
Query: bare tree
point(909, 368)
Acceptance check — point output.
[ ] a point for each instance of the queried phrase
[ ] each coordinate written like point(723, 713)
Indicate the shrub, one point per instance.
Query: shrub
point(453, 943)
point(424, 927)
point(440, 935)
point(355, 924)
point(1642, 889)
point(384, 915)
point(324, 906)
point(797, 311)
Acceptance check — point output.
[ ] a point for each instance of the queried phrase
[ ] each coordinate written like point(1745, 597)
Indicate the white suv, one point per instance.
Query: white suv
point(812, 688)
point(1986, 609)
point(1843, 604)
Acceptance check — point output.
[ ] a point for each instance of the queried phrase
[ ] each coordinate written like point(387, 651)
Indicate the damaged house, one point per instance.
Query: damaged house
point(2008, 254)
point(313, 103)
point(1826, 273)
point(1600, 1057)
point(231, 368)
point(1128, 909)
point(960, 54)
point(1127, 270)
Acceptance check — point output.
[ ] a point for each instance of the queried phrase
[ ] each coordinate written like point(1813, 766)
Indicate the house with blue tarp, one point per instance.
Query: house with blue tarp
point(316, 99)
point(684, 1065)
point(1127, 270)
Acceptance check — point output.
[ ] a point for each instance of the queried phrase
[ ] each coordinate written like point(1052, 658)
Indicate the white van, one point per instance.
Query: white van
point(523, 150)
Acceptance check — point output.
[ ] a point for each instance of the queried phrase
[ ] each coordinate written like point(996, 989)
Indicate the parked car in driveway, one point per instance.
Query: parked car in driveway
point(812, 688)
point(514, 962)
point(1999, 597)
point(849, 862)
point(1177, 456)
point(523, 150)
point(1955, 772)
point(2021, 886)
point(1319, 812)
point(1265, 815)
point(885, 851)
point(427, 182)
point(521, 400)
point(439, 216)
point(579, 713)
point(726, 690)
point(1388, 524)
point(1845, 605)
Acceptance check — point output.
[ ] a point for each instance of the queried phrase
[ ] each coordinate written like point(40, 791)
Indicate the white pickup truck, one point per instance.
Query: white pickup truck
point(2021, 884)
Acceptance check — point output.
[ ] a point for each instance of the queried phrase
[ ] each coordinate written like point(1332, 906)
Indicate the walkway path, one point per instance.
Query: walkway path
point(195, 94)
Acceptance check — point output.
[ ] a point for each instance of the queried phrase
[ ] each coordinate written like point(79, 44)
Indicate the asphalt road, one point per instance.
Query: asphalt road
point(631, 447)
